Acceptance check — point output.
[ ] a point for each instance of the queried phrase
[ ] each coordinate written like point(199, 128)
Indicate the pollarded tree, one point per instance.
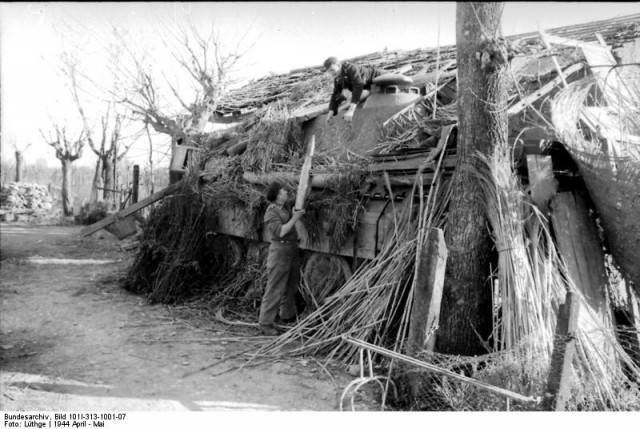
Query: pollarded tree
point(109, 144)
point(67, 151)
point(18, 151)
point(209, 67)
point(482, 122)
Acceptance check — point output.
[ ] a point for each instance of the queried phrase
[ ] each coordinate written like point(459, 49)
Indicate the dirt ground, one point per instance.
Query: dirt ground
point(72, 338)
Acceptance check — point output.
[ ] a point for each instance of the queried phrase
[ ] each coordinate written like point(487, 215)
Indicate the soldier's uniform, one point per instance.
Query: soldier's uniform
point(355, 78)
point(283, 268)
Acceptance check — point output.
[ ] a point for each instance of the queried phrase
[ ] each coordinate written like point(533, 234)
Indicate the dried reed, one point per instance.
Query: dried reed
point(374, 303)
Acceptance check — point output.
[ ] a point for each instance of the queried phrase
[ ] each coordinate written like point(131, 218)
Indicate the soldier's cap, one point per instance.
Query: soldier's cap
point(329, 62)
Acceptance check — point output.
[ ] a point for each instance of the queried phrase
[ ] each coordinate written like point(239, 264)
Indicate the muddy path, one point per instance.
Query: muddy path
point(72, 338)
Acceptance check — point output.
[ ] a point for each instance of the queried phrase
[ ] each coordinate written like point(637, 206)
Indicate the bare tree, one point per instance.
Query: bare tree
point(108, 145)
point(482, 123)
point(207, 64)
point(67, 151)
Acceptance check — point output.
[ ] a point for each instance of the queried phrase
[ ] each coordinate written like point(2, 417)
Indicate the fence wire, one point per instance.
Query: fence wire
point(516, 370)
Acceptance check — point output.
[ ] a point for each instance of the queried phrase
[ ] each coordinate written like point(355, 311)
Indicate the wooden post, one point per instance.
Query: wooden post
point(560, 372)
point(135, 184)
point(427, 296)
point(18, 166)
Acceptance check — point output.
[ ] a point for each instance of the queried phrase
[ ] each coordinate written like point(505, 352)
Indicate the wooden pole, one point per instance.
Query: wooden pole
point(441, 371)
point(305, 174)
point(131, 209)
point(135, 184)
point(427, 296)
point(543, 37)
point(560, 372)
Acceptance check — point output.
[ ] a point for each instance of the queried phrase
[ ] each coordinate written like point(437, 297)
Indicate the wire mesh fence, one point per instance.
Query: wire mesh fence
point(510, 380)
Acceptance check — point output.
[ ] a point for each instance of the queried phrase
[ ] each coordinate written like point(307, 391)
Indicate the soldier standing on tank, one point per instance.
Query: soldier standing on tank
point(356, 78)
point(283, 261)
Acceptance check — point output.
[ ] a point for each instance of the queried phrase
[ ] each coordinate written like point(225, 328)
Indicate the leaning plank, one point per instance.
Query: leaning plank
point(580, 248)
point(131, 209)
point(305, 175)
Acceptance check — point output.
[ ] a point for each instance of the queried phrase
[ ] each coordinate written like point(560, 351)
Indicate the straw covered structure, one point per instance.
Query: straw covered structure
point(603, 136)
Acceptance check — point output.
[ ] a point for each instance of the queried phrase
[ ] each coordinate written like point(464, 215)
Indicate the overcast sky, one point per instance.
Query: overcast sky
point(286, 36)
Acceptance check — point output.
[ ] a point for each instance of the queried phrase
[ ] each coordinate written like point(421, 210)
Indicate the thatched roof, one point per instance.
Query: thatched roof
point(615, 31)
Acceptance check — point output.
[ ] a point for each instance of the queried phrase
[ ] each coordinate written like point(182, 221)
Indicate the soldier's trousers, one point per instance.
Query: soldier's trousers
point(283, 277)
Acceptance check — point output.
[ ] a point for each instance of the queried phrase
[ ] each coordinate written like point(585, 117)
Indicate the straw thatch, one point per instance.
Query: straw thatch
point(608, 158)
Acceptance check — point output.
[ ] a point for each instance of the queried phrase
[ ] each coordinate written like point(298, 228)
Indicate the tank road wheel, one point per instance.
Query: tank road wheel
point(235, 251)
point(322, 275)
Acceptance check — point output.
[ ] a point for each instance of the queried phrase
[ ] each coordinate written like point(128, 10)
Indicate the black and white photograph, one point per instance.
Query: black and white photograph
point(220, 213)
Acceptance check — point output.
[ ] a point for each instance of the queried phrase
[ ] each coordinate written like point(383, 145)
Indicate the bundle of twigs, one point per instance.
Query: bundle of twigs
point(335, 208)
point(230, 191)
point(418, 127)
point(274, 138)
point(530, 286)
point(173, 259)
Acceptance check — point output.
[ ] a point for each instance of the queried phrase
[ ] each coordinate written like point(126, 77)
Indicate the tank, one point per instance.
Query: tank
point(390, 95)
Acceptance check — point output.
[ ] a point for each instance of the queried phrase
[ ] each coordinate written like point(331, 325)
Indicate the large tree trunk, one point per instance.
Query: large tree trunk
point(151, 184)
point(66, 187)
point(97, 179)
point(482, 122)
point(18, 166)
point(107, 176)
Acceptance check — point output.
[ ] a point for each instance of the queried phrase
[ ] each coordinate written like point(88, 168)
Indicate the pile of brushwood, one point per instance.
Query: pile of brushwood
point(181, 257)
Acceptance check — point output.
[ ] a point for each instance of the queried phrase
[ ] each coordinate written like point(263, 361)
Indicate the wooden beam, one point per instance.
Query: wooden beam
point(131, 209)
point(547, 88)
point(543, 36)
point(559, 380)
point(408, 164)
